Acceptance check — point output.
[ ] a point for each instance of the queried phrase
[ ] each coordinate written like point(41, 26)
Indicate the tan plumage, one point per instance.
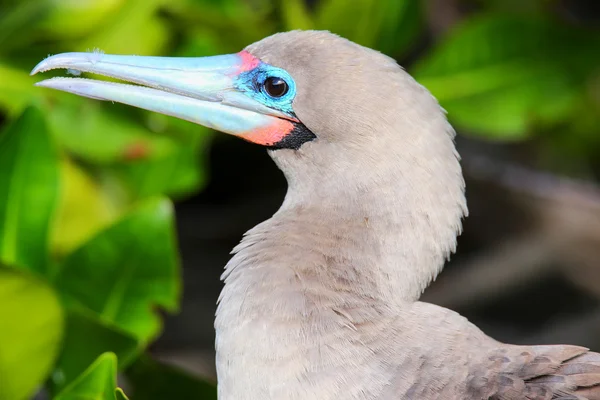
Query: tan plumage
point(320, 301)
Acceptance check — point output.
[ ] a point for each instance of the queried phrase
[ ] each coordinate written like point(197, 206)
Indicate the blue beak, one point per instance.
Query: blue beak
point(201, 90)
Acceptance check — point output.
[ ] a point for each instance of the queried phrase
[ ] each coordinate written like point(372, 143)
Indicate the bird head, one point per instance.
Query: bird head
point(323, 105)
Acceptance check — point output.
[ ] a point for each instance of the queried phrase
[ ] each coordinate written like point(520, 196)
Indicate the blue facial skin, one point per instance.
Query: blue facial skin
point(252, 83)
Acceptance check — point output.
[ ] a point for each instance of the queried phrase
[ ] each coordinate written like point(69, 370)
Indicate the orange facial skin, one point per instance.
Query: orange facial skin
point(269, 135)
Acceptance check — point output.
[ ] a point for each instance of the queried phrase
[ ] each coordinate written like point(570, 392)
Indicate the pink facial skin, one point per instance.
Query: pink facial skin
point(249, 62)
point(271, 134)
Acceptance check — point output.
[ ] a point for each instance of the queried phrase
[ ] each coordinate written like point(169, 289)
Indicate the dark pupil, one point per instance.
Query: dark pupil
point(276, 87)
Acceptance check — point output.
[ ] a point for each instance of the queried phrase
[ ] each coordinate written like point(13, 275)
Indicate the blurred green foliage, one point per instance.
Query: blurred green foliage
point(515, 76)
point(87, 238)
point(63, 312)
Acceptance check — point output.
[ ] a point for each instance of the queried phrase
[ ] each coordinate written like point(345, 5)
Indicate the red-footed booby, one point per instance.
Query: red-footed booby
point(321, 300)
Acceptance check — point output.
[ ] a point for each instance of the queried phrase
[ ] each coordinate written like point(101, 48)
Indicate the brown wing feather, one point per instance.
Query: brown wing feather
point(542, 373)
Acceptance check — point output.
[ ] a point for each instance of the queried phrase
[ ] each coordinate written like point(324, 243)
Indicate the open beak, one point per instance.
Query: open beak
point(201, 90)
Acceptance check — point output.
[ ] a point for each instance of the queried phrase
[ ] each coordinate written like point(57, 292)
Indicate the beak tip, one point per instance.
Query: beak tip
point(65, 60)
point(42, 66)
point(52, 83)
point(36, 69)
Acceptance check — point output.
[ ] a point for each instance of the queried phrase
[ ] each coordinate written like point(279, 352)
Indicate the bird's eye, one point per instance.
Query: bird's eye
point(276, 87)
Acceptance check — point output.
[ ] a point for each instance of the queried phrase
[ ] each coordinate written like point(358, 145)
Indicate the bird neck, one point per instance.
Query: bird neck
point(386, 224)
point(346, 249)
point(362, 234)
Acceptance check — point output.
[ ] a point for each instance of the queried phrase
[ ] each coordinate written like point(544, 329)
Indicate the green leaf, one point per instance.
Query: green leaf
point(97, 382)
point(151, 380)
point(174, 174)
point(119, 395)
point(127, 270)
point(295, 15)
point(502, 75)
point(86, 337)
point(32, 325)
point(29, 187)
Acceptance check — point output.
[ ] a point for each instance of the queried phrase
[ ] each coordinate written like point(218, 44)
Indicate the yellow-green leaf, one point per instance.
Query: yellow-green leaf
point(30, 333)
point(84, 209)
point(16, 89)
